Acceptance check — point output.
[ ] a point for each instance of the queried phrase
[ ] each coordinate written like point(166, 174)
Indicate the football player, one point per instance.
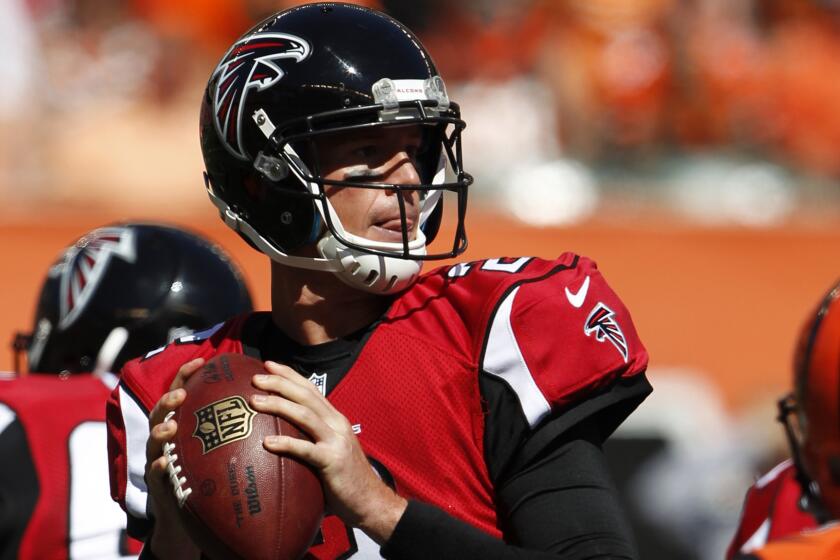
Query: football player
point(803, 492)
point(481, 391)
point(112, 295)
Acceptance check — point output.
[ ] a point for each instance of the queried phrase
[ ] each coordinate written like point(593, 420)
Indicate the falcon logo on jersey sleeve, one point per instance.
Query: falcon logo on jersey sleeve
point(251, 63)
point(602, 323)
point(85, 264)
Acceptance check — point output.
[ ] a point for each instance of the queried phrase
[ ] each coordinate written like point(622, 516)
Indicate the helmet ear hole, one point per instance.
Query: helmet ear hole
point(291, 221)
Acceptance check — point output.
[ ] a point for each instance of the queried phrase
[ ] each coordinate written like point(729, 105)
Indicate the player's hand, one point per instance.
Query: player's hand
point(352, 488)
point(169, 540)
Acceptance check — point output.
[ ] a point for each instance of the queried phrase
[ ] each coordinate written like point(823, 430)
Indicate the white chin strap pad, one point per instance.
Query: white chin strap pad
point(371, 273)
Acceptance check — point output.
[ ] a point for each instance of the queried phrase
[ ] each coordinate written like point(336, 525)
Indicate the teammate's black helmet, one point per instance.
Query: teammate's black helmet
point(123, 290)
point(322, 69)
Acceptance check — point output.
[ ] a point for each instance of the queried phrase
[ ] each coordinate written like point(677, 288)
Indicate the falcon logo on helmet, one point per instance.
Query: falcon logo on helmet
point(601, 321)
point(85, 264)
point(251, 63)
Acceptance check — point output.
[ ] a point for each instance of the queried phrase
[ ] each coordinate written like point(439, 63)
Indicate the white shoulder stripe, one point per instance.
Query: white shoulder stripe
point(758, 539)
point(7, 416)
point(773, 474)
point(503, 358)
point(136, 434)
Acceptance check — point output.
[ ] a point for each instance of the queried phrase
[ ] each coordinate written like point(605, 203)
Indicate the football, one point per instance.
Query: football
point(236, 499)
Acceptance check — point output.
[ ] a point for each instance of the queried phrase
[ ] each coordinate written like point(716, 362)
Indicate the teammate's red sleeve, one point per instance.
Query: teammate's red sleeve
point(772, 509)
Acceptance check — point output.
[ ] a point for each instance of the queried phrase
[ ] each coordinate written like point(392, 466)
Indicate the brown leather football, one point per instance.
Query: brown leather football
point(236, 499)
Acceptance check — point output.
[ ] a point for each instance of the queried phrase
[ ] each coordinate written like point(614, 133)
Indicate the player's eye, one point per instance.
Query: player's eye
point(365, 152)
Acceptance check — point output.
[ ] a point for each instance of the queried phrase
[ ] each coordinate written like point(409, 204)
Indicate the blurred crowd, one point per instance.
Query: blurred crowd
point(723, 111)
point(99, 99)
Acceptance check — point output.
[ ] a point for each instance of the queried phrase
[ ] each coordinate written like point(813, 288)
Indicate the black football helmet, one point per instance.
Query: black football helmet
point(327, 69)
point(122, 290)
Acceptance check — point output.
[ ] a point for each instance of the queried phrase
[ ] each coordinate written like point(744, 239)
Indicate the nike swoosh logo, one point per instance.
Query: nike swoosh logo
point(577, 299)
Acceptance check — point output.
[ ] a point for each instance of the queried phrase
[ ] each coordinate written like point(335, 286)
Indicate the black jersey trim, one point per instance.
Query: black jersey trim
point(19, 488)
point(608, 409)
point(134, 397)
point(262, 333)
point(494, 389)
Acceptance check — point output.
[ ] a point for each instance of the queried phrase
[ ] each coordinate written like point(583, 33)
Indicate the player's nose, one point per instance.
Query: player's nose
point(402, 170)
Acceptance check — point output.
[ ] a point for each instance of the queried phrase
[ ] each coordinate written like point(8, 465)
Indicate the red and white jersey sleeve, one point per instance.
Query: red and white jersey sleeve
point(143, 382)
point(772, 510)
point(554, 331)
point(557, 336)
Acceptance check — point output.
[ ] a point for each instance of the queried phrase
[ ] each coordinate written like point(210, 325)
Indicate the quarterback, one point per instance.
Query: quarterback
point(457, 413)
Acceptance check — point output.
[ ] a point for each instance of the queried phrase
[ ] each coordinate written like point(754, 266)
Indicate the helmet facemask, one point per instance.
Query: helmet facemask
point(290, 165)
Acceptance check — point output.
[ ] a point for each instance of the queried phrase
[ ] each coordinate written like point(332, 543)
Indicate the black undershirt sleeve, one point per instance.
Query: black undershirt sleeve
point(562, 506)
point(555, 496)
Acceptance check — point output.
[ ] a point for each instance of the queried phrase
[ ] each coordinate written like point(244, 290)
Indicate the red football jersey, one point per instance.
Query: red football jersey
point(553, 331)
point(62, 421)
point(772, 510)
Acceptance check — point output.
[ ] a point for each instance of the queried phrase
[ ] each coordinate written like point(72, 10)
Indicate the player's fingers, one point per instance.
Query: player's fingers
point(293, 377)
point(156, 471)
point(298, 388)
point(185, 372)
point(299, 380)
point(158, 435)
point(157, 479)
point(298, 414)
point(293, 386)
point(167, 403)
point(298, 448)
point(280, 369)
point(286, 387)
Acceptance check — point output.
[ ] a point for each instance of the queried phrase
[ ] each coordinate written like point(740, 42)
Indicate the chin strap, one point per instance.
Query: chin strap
point(237, 224)
point(788, 405)
point(364, 271)
point(376, 274)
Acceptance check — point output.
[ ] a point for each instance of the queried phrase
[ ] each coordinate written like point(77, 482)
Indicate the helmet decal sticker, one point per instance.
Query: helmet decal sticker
point(84, 265)
point(601, 321)
point(250, 63)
